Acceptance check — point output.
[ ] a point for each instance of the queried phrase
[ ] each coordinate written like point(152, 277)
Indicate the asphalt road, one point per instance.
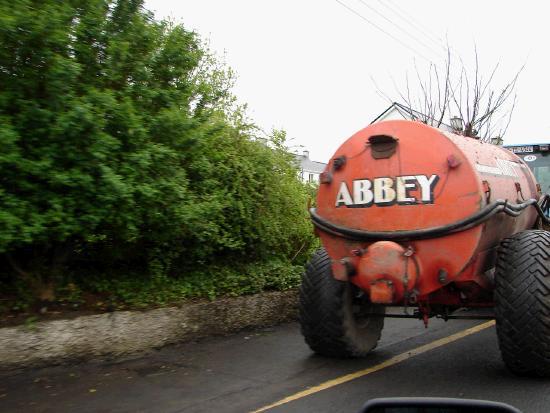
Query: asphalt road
point(254, 369)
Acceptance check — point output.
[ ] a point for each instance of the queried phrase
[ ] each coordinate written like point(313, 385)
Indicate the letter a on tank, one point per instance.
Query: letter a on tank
point(343, 197)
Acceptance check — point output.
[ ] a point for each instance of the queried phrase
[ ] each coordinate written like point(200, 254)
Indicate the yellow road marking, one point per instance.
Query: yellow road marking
point(390, 362)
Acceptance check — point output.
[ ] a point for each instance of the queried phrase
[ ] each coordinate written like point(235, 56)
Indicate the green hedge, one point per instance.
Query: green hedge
point(123, 152)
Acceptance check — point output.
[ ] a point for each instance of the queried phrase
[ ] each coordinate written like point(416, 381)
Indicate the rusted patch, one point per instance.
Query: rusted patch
point(487, 190)
point(453, 161)
point(325, 177)
point(381, 292)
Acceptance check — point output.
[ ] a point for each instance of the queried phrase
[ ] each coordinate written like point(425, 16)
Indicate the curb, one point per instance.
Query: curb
point(122, 333)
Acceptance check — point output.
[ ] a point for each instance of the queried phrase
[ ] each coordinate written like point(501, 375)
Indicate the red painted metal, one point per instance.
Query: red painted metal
point(386, 263)
point(469, 174)
point(382, 292)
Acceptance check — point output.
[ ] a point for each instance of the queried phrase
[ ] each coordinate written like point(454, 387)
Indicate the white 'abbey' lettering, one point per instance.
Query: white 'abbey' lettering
point(503, 167)
point(403, 184)
point(427, 186)
point(385, 191)
point(362, 194)
point(343, 196)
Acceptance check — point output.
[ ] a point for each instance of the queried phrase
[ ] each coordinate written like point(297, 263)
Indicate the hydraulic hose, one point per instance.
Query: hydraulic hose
point(542, 206)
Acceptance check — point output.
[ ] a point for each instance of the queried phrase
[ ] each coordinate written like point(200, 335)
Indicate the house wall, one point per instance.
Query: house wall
point(309, 176)
point(310, 171)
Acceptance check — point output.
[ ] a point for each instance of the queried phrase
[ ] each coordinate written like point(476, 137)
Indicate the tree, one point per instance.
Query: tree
point(121, 142)
point(451, 89)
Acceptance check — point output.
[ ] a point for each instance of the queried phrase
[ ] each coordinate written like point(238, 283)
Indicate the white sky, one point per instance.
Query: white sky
point(306, 66)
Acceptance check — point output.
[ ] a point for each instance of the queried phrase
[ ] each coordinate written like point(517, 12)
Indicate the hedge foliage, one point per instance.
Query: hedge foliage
point(122, 148)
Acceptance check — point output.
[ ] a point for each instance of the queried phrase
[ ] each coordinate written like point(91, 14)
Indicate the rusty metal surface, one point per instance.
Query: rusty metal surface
point(382, 292)
point(432, 178)
point(387, 271)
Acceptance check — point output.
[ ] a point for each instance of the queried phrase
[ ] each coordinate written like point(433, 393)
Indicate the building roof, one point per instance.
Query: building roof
point(405, 113)
point(308, 165)
point(403, 110)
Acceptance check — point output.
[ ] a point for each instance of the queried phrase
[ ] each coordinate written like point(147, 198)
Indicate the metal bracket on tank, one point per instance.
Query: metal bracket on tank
point(487, 190)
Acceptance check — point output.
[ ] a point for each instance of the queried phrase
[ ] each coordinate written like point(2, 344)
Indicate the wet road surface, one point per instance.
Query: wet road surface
point(251, 370)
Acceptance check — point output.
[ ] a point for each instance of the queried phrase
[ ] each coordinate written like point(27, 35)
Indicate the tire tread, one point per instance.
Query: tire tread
point(323, 320)
point(522, 302)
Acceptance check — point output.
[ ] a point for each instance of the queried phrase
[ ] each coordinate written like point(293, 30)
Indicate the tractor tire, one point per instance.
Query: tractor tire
point(336, 318)
point(522, 302)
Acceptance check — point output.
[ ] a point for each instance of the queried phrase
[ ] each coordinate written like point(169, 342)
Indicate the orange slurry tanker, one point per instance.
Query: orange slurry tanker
point(414, 217)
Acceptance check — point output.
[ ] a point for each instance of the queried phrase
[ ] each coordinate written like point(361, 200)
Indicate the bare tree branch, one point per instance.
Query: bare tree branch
point(379, 91)
point(438, 93)
point(443, 105)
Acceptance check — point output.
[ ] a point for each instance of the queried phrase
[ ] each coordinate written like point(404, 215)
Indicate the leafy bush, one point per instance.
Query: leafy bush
point(122, 149)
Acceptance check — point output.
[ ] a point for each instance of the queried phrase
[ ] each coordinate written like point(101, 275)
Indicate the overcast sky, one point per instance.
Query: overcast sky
point(306, 66)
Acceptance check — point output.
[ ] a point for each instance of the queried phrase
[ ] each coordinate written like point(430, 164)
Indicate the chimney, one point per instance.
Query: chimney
point(306, 154)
